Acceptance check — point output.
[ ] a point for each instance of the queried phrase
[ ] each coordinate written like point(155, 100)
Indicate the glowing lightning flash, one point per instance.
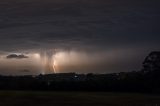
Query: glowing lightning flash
point(54, 66)
point(54, 63)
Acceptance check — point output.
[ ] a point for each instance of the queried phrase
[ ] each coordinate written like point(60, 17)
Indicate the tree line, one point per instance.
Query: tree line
point(146, 80)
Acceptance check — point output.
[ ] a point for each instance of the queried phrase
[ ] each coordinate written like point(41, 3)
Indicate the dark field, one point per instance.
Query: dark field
point(31, 98)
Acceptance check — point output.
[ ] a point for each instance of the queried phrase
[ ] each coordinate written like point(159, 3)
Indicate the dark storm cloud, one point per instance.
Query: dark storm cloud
point(112, 23)
point(16, 56)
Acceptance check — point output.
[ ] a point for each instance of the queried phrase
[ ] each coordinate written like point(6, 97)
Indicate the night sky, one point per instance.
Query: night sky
point(82, 36)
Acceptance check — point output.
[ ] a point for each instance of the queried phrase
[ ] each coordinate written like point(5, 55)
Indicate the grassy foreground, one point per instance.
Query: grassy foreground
point(32, 98)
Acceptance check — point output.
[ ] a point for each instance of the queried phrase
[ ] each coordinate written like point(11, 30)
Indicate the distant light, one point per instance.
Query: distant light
point(76, 76)
point(33, 76)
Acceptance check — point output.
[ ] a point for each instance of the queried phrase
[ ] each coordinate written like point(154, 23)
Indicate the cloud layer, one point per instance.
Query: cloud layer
point(16, 56)
point(91, 26)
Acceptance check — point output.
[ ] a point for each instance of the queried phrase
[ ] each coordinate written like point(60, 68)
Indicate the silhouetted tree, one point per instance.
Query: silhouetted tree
point(152, 62)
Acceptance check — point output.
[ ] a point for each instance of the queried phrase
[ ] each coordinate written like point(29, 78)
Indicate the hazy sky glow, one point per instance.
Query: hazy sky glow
point(100, 36)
